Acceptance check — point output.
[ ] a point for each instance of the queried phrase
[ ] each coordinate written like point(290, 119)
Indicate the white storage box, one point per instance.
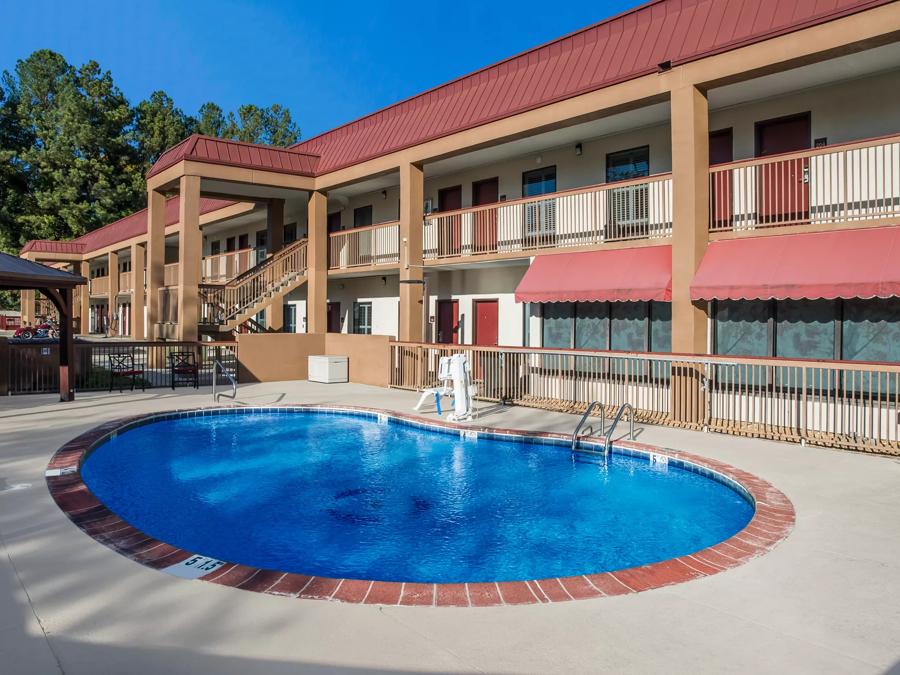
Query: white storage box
point(328, 369)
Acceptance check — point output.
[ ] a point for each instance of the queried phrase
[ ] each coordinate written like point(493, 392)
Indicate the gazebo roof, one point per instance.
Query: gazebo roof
point(18, 273)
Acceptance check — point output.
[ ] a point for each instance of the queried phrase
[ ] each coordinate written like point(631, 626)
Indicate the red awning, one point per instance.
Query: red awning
point(635, 274)
point(838, 264)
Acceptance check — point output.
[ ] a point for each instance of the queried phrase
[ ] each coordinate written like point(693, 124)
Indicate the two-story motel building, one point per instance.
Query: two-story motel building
point(718, 176)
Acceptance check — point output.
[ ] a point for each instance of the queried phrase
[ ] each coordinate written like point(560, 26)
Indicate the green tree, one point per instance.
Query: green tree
point(83, 170)
point(210, 121)
point(272, 125)
point(158, 125)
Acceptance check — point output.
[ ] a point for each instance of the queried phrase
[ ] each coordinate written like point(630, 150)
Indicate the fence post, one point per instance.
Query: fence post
point(4, 367)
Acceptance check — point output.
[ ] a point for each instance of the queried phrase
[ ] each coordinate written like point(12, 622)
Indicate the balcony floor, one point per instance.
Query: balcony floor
point(823, 601)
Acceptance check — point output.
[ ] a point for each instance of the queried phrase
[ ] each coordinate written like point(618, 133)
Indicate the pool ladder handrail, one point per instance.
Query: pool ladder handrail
point(590, 408)
point(218, 365)
point(607, 440)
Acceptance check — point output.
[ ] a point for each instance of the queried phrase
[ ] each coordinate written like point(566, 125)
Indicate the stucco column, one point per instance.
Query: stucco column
point(26, 307)
point(690, 236)
point(317, 263)
point(412, 197)
point(190, 253)
point(112, 266)
point(84, 298)
point(137, 292)
point(274, 226)
point(156, 258)
point(690, 227)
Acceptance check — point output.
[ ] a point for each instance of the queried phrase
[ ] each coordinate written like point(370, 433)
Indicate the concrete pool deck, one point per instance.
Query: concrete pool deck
point(825, 600)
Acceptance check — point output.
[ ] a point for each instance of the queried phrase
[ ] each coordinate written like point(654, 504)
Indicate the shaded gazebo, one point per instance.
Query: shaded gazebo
point(18, 274)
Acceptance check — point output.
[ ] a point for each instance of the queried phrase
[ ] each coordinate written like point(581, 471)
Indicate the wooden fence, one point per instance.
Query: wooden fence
point(834, 403)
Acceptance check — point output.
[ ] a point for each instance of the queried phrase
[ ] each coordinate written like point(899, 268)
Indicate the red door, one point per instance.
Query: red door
point(448, 322)
point(449, 239)
point(782, 186)
point(334, 317)
point(485, 225)
point(486, 322)
point(721, 151)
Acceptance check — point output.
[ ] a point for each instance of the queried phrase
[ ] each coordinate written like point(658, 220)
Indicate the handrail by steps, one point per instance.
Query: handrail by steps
point(218, 365)
point(584, 417)
point(607, 439)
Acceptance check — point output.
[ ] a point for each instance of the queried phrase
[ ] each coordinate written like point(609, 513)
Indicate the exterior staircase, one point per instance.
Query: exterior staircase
point(225, 307)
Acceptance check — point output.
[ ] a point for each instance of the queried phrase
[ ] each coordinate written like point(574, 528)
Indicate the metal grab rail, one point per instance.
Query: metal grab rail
point(608, 438)
point(584, 417)
point(217, 365)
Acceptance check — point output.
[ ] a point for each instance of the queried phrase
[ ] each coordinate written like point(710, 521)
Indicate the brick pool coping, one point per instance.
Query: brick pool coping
point(772, 521)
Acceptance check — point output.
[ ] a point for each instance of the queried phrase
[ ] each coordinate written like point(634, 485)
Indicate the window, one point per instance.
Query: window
point(290, 318)
point(540, 215)
point(334, 221)
point(244, 241)
point(628, 205)
point(853, 330)
point(215, 247)
point(362, 216)
point(362, 318)
point(621, 326)
point(230, 244)
point(290, 233)
point(628, 164)
point(262, 238)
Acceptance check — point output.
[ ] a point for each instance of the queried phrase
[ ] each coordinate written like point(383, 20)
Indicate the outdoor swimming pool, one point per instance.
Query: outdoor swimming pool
point(366, 497)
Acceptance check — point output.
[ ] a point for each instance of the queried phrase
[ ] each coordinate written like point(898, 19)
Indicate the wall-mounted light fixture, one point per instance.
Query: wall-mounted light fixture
point(538, 159)
point(384, 281)
point(578, 149)
point(384, 194)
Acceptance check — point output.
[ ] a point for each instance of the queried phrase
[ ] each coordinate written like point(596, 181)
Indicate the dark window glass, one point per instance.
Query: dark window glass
point(539, 181)
point(362, 318)
point(742, 327)
point(805, 329)
point(262, 238)
point(871, 330)
point(628, 164)
point(230, 244)
point(660, 326)
point(244, 241)
point(215, 247)
point(628, 327)
point(362, 217)
point(290, 318)
point(290, 233)
point(558, 318)
point(592, 325)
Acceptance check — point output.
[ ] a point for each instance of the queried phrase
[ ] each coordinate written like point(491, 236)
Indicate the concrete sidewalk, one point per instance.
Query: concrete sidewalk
point(826, 600)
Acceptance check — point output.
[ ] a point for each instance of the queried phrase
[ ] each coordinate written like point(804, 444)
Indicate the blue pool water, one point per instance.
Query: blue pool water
point(341, 495)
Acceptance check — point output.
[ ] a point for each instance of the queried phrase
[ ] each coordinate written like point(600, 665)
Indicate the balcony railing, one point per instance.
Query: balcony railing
point(634, 209)
point(364, 246)
point(125, 282)
point(840, 183)
point(170, 274)
point(100, 286)
point(225, 266)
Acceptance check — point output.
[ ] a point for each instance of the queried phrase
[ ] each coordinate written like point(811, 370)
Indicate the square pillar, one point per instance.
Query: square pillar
point(274, 226)
point(317, 263)
point(112, 266)
point(66, 347)
point(690, 227)
point(690, 237)
point(156, 258)
point(190, 255)
point(412, 198)
point(26, 307)
point(137, 292)
point(84, 298)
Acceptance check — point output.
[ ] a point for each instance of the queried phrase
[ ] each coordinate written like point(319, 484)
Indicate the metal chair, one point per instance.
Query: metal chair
point(183, 367)
point(122, 365)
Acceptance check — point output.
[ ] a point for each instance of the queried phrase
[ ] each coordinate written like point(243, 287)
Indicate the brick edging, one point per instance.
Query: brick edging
point(773, 519)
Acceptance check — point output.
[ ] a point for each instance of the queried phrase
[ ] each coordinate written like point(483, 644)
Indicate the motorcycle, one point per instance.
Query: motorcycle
point(39, 332)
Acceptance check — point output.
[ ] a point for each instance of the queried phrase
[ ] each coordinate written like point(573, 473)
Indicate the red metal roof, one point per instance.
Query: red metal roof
point(620, 48)
point(233, 153)
point(837, 264)
point(120, 230)
point(627, 274)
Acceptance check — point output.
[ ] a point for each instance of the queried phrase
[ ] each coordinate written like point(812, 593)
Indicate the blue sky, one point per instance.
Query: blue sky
point(329, 62)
